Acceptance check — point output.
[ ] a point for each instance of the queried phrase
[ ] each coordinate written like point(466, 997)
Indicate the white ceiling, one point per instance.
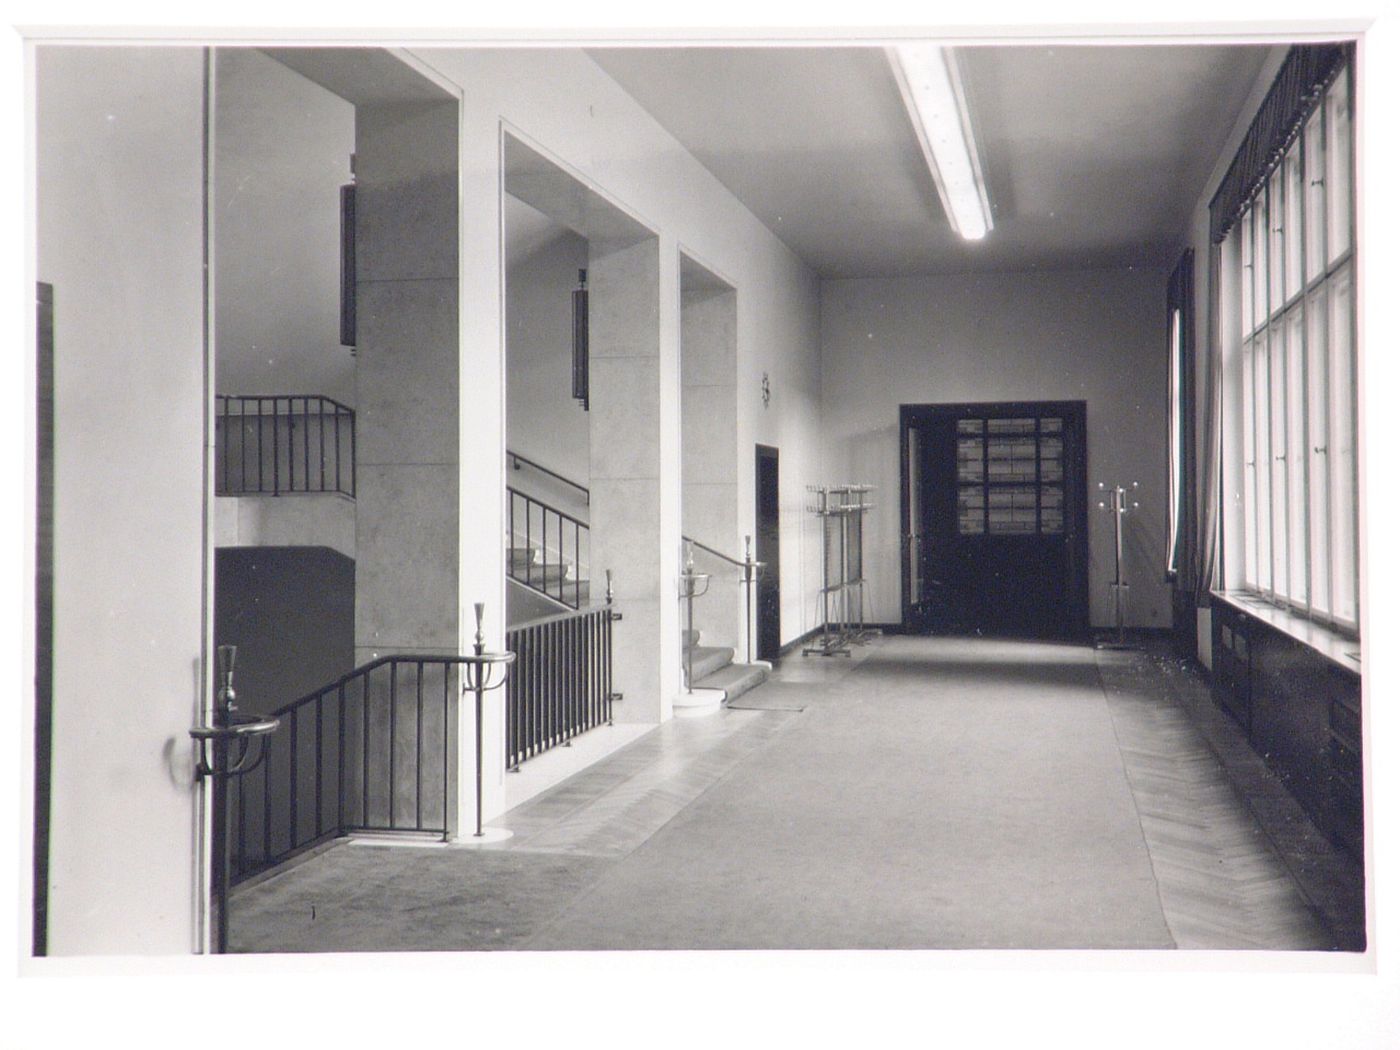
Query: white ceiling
point(1094, 155)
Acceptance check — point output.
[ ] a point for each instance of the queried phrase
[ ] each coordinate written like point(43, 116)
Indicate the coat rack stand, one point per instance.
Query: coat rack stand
point(841, 510)
point(1118, 502)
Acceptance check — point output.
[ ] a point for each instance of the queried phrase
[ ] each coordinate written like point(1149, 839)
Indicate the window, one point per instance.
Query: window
point(1296, 320)
point(1175, 448)
point(1011, 477)
point(1181, 411)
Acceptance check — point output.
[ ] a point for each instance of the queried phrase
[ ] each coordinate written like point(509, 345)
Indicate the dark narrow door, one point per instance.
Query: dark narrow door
point(43, 616)
point(766, 551)
point(994, 510)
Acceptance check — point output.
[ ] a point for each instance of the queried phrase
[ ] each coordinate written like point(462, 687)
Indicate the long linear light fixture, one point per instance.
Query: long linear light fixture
point(928, 79)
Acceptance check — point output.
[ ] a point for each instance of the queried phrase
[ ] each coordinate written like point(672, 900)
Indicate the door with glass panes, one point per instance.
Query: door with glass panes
point(993, 506)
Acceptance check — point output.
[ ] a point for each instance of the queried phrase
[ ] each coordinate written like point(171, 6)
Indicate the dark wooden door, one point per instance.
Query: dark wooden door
point(993, 500)
point(766, 550)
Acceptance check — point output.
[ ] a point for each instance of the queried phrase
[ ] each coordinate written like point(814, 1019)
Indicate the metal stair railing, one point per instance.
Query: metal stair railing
point(750, 572)
point(563, 680)
point(556, 537)
point(371, 751)
point(283, 445)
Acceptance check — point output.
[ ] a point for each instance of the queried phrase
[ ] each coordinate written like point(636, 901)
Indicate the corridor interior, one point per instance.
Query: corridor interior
point(924, 793)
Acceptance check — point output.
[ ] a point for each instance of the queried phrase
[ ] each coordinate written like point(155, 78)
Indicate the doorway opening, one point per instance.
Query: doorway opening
point(992, 505)
point(766, 533)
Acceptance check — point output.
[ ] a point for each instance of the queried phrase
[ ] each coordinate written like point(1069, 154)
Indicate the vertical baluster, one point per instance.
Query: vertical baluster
point(535, 688)
point(556, 692)
point(607, 662)
point(340, 759)
point(292, 784)
point(276, 450)
point(528, 548)
point(320, 745)
point(393, 734)
point(228, 447)
point(418, 754)
point(267, 800)
point(510, 707)
point(260, 444)
point(559, 546)
point(570, 674)
point(578, 571)
point(510, 534)
point(354, 458)
point(242, 446)
point(337, 449)
point(321, 437)
point(243, 824)
point(446, 702)
point(590, 710)
point(305, 444)
point(364, 748)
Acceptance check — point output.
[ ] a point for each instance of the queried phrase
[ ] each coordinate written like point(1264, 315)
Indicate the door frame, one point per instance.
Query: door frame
point(1076, 488)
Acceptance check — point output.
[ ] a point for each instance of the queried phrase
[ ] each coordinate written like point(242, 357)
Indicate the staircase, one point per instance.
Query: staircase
point(713, 667)
point(553, 580)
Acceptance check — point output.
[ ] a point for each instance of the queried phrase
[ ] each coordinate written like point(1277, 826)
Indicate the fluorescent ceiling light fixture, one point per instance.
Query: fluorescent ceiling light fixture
point(928, 79)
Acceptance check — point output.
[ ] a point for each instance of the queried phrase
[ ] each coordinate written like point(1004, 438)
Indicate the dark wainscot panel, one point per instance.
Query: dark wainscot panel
point(1301, 711)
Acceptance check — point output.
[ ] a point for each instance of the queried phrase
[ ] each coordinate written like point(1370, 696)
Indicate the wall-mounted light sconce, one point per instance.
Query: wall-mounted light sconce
point(347, 261)
point(932, 88)
point(580, 384)
point(767, 392)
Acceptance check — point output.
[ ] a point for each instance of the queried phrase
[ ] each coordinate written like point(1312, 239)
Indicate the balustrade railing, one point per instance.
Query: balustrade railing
point(749, 572)
point(369, 752)
point(283, 444)
point(562, 683)
point(549, 549)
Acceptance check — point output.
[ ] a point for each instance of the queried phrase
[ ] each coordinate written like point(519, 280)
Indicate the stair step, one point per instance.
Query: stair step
point(735, 679)
point(571, 592)
point(689, 638)
point(544, 576)
point(706, 660)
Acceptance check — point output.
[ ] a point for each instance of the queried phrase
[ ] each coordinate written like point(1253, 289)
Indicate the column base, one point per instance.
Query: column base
point(696, 703)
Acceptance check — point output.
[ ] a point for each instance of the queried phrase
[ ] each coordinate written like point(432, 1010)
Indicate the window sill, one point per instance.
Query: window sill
point(1342, 649)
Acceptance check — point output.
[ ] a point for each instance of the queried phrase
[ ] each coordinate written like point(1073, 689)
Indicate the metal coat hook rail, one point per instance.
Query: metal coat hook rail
point(1117, 500)
point(841, 510)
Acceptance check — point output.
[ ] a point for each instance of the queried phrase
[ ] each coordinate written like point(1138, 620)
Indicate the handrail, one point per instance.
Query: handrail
point(340, 761)
point(541, 503)
point(752, 568)
point(717, 554)
point(339, 406)
point(365, 669)
point(519, 459)
point(568, 614)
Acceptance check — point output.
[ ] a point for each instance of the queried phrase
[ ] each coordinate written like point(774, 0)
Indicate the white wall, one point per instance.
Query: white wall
point(282, 152)
point(544, 422)
point(1094, 335)
point(119, 229)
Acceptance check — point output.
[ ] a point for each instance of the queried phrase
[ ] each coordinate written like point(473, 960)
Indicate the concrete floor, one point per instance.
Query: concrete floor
point(924, 793)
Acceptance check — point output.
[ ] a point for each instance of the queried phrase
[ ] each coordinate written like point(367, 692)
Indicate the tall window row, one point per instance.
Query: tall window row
point(1297, 314)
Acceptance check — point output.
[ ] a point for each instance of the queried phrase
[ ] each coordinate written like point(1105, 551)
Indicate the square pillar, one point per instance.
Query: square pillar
point(625, 461)
point(406, 379)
